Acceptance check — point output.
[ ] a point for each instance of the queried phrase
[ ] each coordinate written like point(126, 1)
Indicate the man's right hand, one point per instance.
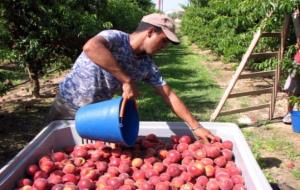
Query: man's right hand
point(129, 90)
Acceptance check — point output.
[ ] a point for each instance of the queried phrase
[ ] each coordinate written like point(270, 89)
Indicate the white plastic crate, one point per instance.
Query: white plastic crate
point(60, 134)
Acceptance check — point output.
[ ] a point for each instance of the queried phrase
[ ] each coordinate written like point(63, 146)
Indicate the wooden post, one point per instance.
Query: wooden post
point(283, 38)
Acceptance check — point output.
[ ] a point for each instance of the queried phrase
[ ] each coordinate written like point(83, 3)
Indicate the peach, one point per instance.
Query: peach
point(125, 187)
point(193, 147)
point(164, 177)
point(101, 166)
point(115, 182)
point(202, 180)
point(173, 170)
point(124, 176)
point(225, 184)
point(31, 169)
point(177, 182)
point(187, 160)
point(200, 154)
point(237, 179)
point(47, 166)
point(80, 152)
point(54, 179)
point(147, 186)
point(162, 186)
point(26, 187)
point(95, 155)
point(69, 178)
point(233, 171)
point(41, 184)
point(40, 174)
point(220, 175)
point(182, 147)
point(58, 187)
point(139, 174)
point(212, 151)
point(99, 144)
point(58, 156)
point(230, 164)
point(79, 161)
point(186, 176)
point(137, 162)
point(175, 139)
point(113, 171)
point(212, 184)
point(187, 186)
point(227, 154)
point(239, 187)
point(154, 179)
point(207, 161)
point(69, 169)
point(174, 156)
point(24, 181)
point(185, 139)
point(113, 161)
point(220, 161)
point(86, 184)
point(89, 173)
point(151, 173)
point(198, 144)
point(209, 171)
point(163, 153)
point(44, 158)
point(150, 159)
point(159, 167)
point(227, 144)
point(196, 169)
point(124, 168)
point(151, 137)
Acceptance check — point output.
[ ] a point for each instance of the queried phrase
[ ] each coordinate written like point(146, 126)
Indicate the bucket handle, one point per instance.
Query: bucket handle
point(122, 110)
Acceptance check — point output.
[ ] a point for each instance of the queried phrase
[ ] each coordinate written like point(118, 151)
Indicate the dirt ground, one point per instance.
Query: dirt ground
point(22, 117)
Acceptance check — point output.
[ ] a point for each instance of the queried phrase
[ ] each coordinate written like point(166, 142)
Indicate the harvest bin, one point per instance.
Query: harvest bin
point(61, 134)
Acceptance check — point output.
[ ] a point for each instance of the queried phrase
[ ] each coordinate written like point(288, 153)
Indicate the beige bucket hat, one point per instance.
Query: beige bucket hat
point(165, 23)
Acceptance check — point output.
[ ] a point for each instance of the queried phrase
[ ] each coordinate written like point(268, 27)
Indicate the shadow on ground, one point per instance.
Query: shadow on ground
point(269, 162)
point(19, 124)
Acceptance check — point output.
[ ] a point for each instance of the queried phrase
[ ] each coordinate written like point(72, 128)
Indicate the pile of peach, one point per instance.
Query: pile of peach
point(152, 164)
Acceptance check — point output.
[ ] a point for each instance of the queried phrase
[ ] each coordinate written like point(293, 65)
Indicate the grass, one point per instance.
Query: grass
point(260, 143)
point(270, 144)
point(14, 76)
point(270, 178)
point(190, 80)
point(9, 78)
point(296, 173)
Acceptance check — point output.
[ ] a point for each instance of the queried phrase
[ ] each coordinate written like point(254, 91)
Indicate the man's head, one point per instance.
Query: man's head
point(165, 23)
point(159, 30)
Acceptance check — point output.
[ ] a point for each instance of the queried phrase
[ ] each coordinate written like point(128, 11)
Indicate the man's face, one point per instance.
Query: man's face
point(155, 41)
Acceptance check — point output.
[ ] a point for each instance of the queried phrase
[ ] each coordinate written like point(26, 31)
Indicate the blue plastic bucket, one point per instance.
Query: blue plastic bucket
point(102, 121)
point(295, 115)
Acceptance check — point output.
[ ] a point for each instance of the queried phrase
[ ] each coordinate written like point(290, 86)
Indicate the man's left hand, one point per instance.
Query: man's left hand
point(204, 134)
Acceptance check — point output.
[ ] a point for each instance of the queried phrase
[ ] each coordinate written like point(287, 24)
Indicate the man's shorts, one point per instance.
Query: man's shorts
point(60, 110)
point(292, 85)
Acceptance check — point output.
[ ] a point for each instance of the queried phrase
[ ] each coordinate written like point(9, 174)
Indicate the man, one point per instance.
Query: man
point(114, 60)
point(292, 83)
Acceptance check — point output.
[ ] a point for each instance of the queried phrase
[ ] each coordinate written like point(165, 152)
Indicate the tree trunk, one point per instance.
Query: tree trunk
point(33, 71)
